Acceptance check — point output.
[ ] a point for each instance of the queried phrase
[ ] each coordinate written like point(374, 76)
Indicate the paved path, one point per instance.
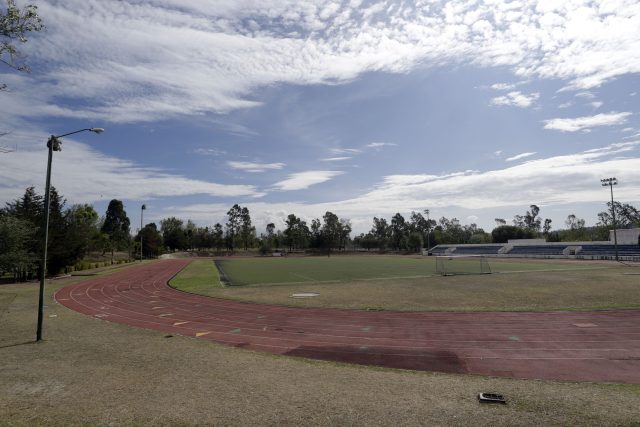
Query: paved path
point(601, 346)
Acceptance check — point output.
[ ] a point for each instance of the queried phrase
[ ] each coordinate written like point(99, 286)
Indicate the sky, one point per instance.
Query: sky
point(470, 109)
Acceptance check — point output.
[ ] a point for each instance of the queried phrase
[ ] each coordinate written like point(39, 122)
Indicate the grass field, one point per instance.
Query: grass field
point(91, 372)
point(261, 271)
point(199, 277)
point(377, 283)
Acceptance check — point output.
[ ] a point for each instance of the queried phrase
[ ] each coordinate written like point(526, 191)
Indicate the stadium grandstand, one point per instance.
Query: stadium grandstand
point(628, 248)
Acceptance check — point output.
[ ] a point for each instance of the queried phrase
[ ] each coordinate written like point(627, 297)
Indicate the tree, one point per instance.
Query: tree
point(380, 231)
point(420, 224)
point(398, 230)
point(367, 241)
point(344, 230)
point(547, 227)
point(16, 236)
point(330, 230)
point(297, 233)
point(450, 231)
point(116, 226)
point(531, 220)
point(627, 216)
point(247, 231)
point(316, 234)
point(59, 252)
point(15, 24)
point(503, 233)
point(234, 216)
point(151, 240)
point(574, 223)
point(81, 232)
point(173, 233)
point(190, 232)
point(500, 221)
point(29, 208)
point(218, 237)
point(414, 241)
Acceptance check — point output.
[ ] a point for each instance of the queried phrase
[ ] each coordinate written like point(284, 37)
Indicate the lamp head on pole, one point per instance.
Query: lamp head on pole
point(144, 207)
point(609, 181)
point(54, 143)
point(97, 130)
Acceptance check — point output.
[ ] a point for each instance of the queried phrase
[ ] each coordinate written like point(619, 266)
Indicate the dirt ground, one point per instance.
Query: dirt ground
point(91, 372)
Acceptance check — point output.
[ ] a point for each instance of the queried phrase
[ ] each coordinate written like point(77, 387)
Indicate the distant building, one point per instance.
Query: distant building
point(628, 236)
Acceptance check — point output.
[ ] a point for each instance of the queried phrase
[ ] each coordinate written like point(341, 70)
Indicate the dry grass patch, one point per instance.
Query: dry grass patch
point(92, 372)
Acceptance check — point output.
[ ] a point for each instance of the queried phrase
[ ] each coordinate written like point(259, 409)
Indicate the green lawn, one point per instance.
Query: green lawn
point(410, 284)
point(199, 277)
point(260, 271)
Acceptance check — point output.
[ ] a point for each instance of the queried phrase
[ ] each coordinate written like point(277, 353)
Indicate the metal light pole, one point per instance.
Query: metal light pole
point(610, 182)
point(141, 216)
point(54, 144)
point(426, 211)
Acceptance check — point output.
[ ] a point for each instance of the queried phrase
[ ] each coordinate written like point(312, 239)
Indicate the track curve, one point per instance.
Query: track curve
point(602, 346)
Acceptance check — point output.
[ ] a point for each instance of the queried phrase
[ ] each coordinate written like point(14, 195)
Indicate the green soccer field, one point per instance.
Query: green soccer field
point(262, 271)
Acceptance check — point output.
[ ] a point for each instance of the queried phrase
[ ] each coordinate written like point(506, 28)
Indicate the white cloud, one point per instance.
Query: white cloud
point(85, 175)
point(567, 179)
point(254, 167)
point(596, 104)
point(150, 60)
point(302, 180)
point(497, 153)
point(587, 122)
point(585, 94)
point(345, 150)
point(516, 99)
point(503, 86)
point(520, 156)
point(209, 152)
point(378, 145)
point(565, 104)
point(335, 159)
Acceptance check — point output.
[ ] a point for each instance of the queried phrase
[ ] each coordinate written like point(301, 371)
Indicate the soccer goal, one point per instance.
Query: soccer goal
point(454, 265)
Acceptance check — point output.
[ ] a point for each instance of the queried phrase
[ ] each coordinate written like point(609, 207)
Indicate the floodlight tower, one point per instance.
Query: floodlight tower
point(426, 211)
point(53, 144)
point(141, 216)
point(610, 182)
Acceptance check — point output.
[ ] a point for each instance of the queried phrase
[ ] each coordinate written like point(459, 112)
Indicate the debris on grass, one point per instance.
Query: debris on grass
point(491, 398)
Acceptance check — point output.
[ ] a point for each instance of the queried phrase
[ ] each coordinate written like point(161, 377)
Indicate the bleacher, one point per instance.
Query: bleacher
point(610, 250)
point(478, 250)
point(538, 250)
point(586, 250)
point(438, 250)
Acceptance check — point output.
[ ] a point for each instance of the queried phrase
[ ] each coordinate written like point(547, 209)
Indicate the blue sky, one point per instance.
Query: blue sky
point(472, 109)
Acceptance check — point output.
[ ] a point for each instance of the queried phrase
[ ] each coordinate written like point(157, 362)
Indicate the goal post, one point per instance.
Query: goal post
point(453, 265)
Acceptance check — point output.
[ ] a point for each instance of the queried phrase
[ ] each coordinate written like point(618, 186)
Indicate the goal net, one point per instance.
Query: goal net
point(454, 265)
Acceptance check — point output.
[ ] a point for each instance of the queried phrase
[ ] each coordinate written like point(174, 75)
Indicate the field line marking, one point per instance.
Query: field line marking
point(550, 269)
point(339, 280)
point(303, 276)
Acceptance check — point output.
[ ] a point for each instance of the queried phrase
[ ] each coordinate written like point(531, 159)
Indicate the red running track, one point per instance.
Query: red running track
point(601, 346)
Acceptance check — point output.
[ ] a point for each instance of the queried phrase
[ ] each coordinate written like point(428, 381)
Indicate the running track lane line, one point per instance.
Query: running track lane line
point(602, 346)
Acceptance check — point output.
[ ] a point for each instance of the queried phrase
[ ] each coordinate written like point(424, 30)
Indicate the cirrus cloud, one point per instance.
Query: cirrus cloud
point(254, 167)
point(302, 180)
point(144, 61)
point(587, 122)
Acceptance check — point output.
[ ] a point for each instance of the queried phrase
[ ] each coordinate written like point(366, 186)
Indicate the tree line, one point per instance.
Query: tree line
point(76, 230)
point(73, 232)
